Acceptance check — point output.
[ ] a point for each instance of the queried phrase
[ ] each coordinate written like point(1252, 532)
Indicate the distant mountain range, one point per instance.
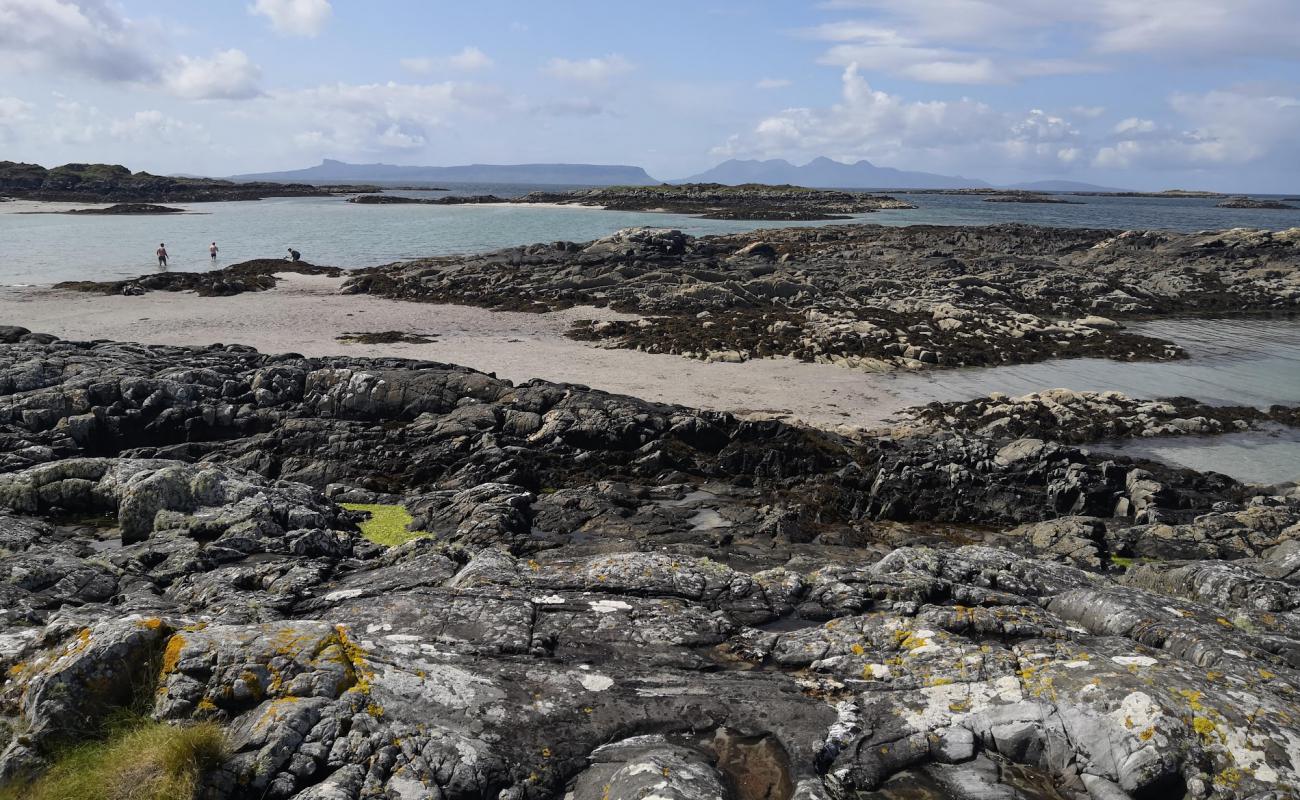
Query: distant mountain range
point(819, 173)
point(331, 171)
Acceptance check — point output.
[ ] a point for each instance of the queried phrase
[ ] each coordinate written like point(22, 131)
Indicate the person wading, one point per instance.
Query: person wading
point(212, 251)
point(162, 255)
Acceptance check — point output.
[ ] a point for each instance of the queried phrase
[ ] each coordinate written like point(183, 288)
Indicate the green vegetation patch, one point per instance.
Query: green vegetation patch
point(387, 524)
point(139, 760)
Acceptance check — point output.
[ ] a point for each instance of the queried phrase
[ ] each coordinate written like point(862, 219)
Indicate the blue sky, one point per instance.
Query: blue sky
point(1152, 94)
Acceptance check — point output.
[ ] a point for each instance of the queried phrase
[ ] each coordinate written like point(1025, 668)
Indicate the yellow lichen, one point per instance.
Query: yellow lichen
point(172, 653)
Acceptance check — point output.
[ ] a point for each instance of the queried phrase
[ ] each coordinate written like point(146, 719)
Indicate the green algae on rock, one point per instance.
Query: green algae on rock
point(386, 525)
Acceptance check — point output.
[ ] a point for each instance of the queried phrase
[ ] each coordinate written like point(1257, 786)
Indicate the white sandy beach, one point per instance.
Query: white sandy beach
point(305, 314)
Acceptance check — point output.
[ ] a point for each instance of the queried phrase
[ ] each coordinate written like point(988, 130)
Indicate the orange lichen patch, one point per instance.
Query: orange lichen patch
point(79, 642)
point(152, 623)
point(172, 653)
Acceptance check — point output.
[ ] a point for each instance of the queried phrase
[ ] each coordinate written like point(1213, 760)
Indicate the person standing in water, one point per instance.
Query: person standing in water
point(212, 251)
point(162, 255)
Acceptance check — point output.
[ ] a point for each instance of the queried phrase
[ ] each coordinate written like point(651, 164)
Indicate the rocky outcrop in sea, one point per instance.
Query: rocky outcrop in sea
point(599, 597)
point(718, 201)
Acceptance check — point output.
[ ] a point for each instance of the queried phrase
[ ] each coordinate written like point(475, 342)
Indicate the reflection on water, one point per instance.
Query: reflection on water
point(1249, 362)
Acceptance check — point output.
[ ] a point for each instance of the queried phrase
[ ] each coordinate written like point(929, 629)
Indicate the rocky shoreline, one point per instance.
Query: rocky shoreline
point(257, 275)
point(606, 597)
point(872, 297)
point(112, 183)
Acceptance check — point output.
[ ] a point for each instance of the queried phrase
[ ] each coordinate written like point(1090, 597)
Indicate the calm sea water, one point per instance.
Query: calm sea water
point(1232, 362)
point(47, 248)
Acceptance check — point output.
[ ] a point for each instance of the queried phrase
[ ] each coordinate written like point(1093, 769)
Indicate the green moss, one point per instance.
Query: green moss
point(139, 760)
point(1128, 561)
point(386, 525)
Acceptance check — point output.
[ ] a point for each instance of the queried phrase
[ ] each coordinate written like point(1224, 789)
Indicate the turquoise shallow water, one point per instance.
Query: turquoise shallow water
point(47, 248)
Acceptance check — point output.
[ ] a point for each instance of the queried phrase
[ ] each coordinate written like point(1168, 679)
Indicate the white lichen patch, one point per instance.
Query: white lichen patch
point(1240, 746)
point(609, 606)
point(1134, 661)
point(1137, 712)
point(949, 703)
point(595, 682)
point(547, 600)
point(344, 594)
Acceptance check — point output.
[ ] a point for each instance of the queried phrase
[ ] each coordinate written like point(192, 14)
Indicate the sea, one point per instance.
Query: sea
point(1233, 362)
point(41, 248)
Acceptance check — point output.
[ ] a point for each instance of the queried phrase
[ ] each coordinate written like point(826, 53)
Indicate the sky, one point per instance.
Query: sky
point(1143, 94)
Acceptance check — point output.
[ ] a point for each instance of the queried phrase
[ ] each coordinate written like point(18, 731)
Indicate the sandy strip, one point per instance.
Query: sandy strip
point(304, 314)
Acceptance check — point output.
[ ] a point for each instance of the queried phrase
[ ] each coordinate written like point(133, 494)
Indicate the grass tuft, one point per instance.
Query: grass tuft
point(139, 760)
point(386, 525)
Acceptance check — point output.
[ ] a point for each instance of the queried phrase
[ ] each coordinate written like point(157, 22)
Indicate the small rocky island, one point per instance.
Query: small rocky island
point(127, 208)
point(706, 200)
point(717, 201)
point(112, 183)
point(1030, 197)
point(1255, 203)
point(450, 200)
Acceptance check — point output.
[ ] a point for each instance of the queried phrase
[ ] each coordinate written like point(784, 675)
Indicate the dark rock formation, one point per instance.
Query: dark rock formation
point(1253, 202)
point(716, 201)
point(874, 297)
point(451, 200)
point(247, 276)
point(111, 183)
point(617, 598)
point(1073, 417)
point(128, 208)
point(1029, 197)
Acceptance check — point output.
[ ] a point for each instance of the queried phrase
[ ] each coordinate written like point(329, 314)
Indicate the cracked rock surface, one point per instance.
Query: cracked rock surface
point(619, 599)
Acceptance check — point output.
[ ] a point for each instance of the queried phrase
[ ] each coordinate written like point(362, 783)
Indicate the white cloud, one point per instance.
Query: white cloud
point(985, 42)
point(772, 83)
point(590, 70)
point(85, 37)
point(80, 125)
point(295, 17)
point(1222, 128)
point(153, 125)
point(1197, 28)
point(875, 47)
point(869, 123)
point(1135, 125)
point(1088, 112)
point(13, 112)
point(346, 120)
point(469, 59)
point(227, 75)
